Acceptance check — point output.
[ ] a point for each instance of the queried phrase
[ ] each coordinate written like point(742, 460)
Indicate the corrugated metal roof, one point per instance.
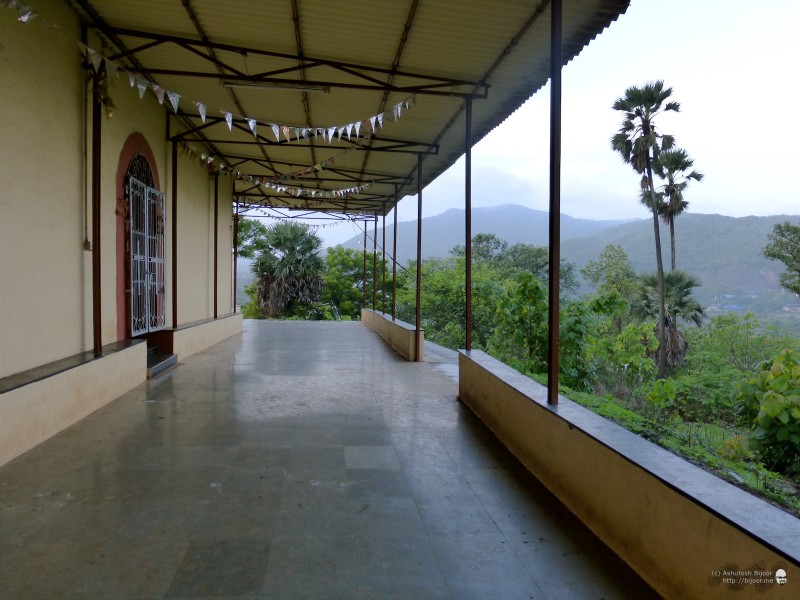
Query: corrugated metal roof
point(407, 44)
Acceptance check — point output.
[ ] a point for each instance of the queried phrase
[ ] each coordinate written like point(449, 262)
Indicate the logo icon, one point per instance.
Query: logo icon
point(780, 576)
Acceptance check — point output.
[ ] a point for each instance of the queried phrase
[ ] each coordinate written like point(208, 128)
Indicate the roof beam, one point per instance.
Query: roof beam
point(428, 84)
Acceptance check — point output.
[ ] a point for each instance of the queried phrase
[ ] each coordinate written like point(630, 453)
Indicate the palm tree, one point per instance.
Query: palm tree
point(673, 165)
point(680, 304)
point(288, 269)
point(640, 144)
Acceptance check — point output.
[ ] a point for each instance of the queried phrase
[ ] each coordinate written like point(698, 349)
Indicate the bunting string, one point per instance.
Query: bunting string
point(357, 129)
point(361, 128)
point(364, 128)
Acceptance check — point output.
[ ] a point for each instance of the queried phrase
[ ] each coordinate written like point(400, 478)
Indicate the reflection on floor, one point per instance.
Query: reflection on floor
point(297, 460)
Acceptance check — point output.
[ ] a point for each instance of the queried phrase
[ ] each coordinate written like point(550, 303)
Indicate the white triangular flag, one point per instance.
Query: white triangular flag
point(141, 84)
point(201, 108)
point(380, 120)
point(95, 59)
point(331, 131)
point(358, 128)
point(349, 130)
point(372, 122)
point(287, 133)
point(228, 119)
point(132, 78)
point(111, 67)
point(339, 133)
point(252, 123)
point(174, 100)
point(276, 130)
point(159, 92)
point(26, 14)
point(297, 133)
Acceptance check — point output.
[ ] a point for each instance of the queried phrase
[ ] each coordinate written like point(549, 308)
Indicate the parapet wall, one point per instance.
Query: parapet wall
point(681, 528)
point(399, 335)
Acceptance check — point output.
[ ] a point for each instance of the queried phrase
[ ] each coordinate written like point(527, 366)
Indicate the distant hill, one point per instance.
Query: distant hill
point(724, 252)
point(513, 223)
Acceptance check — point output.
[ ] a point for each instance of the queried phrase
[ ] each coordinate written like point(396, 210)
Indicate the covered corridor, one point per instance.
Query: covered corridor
point(296, 460)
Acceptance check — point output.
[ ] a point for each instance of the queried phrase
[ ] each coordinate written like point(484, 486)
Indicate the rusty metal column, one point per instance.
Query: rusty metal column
point(174, 234)
point(383, 266)
point(394, 261)
point(555, 201)
point(364, 280)
point(235, 250)
point(216, 239)
point(468, 225)
point(97, 321)
point(418, 333)
point(374, 260)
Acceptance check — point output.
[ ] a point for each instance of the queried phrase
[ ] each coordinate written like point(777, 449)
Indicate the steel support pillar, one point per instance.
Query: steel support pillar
point(235, 250)
point(364, 285)
point(97, 324)
point(468, 226)
point(555, 200)
point(174, 234)
point(374, 261)
point(418, 332)
point(383, 267)
point(216, 240)
point(394, 260)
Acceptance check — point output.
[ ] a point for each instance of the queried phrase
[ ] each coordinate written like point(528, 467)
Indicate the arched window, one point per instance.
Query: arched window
point(147, 260)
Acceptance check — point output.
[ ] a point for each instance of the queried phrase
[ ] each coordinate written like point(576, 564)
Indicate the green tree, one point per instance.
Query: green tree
point(344, 281)
point(288, 270)
point(443, 298)
point(509, 261)
point(640, 143)
point(674, 165)
point(252, 237)
point(679, 304)
point(784, 245)
point(619, 358)
point(520, 334)
point(612, 272)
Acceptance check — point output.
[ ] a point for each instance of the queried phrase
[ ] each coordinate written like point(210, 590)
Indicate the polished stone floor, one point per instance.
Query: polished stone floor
point(297, 460)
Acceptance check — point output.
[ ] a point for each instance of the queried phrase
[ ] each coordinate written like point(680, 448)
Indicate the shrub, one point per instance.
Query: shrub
point(769, 404)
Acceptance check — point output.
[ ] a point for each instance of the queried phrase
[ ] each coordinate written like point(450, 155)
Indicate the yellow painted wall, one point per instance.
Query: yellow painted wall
point(45, 272)
point(42, 262)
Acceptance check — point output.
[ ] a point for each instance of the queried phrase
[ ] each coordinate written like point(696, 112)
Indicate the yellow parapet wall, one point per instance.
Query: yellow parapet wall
point(688, 533)
point(398, 334)
point(188, 340)
point(32, 413)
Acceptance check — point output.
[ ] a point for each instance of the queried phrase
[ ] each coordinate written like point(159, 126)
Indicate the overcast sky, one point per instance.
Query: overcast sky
point(733, 65)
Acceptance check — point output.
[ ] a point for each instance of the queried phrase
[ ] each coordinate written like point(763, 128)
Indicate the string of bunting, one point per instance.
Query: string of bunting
point(212, 163)
point(352, 130)
point(367, 127)
point(355, 129)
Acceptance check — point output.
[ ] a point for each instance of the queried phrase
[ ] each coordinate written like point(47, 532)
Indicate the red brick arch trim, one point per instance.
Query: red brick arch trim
point(135, 144)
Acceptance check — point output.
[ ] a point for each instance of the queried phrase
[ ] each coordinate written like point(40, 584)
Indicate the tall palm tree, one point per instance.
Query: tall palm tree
point(674, 165)
point(289, 268)
point(680, 305)
point(640, 144)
